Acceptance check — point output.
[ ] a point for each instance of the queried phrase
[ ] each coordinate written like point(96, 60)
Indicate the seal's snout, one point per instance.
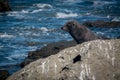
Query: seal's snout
point(64, 28)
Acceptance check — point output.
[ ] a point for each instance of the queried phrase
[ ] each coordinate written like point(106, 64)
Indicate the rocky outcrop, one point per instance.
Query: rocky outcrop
point(3, 74)
point(94, 60)
point(50, 49)
point(4, 6)
point(102, 24)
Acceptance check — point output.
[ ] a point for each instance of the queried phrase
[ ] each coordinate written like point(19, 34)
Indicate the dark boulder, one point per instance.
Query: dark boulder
point(102, 24)
point(118, 37)
point(50, 49)
point(3, 74)
point(4, 6)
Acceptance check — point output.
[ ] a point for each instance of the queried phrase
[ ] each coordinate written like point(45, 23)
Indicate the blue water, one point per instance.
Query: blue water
point(39, 21)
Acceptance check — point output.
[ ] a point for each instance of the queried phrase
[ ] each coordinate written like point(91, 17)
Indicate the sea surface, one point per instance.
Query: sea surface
point(33, 23)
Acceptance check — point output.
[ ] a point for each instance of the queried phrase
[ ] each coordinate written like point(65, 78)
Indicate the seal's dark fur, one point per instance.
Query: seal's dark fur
point(79, 32)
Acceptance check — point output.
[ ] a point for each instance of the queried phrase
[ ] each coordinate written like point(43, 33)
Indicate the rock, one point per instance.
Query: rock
point(3, 74)
point(4, 6)
point(46, 51)
point(118, 37)
point(94, 60)
point(102, 24)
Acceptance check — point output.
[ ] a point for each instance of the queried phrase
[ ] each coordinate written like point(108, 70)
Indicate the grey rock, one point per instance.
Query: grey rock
point(94, 60)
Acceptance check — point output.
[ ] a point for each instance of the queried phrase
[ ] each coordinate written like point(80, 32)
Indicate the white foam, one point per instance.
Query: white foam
point(87, 14)
point(101, 3)
point(100, 33)
point(25, 11)
point(18, 12)
point(72, 1)
point(108, 16)
point(64, 15)
point(16, 15)
point(44, 29)
point(5, 35)
point(1, 46)
point(116, 19)
point(39, 19)
point(35, 11)
point(66, 10)
point(43, 5)
point(13, 13)
point(16, 57)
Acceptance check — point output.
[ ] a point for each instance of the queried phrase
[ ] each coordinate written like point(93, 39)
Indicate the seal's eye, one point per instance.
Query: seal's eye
point(73, 24)
point(70, 24)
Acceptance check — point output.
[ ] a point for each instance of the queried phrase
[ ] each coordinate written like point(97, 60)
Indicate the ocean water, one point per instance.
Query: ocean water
point(33, 23)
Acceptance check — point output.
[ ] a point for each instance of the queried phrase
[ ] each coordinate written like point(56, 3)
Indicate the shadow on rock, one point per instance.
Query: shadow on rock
point(50, 49)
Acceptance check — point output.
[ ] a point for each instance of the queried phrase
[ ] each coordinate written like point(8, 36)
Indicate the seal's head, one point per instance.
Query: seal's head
point(69, 26)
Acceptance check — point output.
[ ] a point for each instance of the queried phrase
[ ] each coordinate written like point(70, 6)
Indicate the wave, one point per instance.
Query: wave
point(102, 3)
point(18, 12)
point(44, 29)
point(31, 31)
point(23, 14)
point(43, 5)
point(32, 28)
point(64, 15)
point(68, 11)
point(72, 1)
point(35, 11)
point(25, 11)
point(19, 16)
point(15, 13)
point(1, 46)
point(116, 19)
point(16, 57)
point(107, 32)
point(5, 35)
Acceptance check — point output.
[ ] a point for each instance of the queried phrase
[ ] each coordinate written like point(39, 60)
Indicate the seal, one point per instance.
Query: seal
point(79, 32)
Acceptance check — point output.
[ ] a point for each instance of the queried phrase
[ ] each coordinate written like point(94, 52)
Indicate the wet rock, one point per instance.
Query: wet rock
point(102, 24)
point(50, 49)
point(3, 74)
point(118, 37)
point(93, 60)
point(4, 6)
